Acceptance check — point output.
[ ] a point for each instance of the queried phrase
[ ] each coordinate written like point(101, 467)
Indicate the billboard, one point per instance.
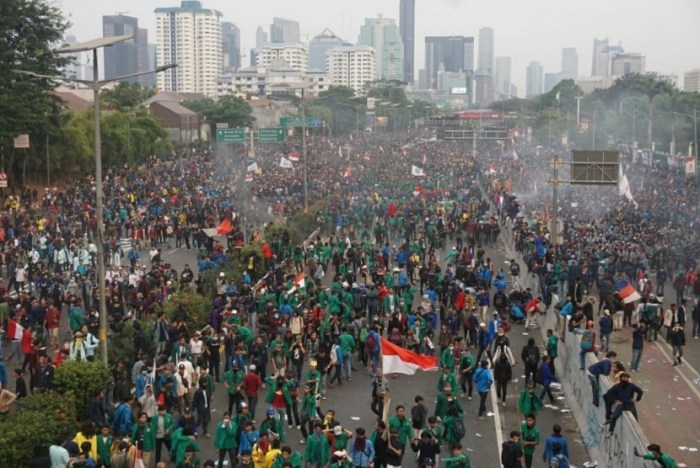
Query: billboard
point(595, 167)
point(458, 91)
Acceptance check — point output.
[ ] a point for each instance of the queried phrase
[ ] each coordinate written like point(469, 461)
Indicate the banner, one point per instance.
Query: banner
point(286, 163)
point(690, 162)
point(252, 168)
point(417, 171)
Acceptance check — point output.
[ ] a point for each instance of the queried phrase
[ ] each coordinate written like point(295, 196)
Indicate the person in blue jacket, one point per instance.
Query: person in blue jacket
point(546, 377)
point(555, 438)
point(602, 367)
point(483, 378)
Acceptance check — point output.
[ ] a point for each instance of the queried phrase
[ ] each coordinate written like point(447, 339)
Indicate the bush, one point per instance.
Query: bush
point(82, 380)
point(121, 343)
point(196, 307)
point(41, 418)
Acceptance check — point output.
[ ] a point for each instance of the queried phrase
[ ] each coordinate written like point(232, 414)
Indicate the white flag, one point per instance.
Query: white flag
point(253, 167)
point(417, 171)
point(286, 163)
point(515, 155)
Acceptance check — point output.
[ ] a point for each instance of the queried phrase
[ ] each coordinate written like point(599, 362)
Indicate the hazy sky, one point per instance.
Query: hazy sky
point(665, 31)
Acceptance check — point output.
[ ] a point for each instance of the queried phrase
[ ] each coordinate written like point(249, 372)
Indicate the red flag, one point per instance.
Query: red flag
point(225, 227)
point(629, 294)
point(14, 330)
point(397, 360)
point(391, 211)
point(293, 157)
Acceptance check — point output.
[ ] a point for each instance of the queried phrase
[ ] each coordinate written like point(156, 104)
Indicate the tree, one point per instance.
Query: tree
point(30, 30)
point(82, 379)
point(126, 96)
point(229, 109)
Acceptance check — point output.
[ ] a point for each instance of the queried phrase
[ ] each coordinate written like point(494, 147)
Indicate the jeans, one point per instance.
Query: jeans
point(252, 403)
point(617, 412)
point(636, 357)
point(696, 328)
point(547, 391)
point(336, 375)
point(464, 380)
point(347, 364)
point(482, 403)
point(231, 456)
point(595, 388)
point(159, 447)
point(605, 341)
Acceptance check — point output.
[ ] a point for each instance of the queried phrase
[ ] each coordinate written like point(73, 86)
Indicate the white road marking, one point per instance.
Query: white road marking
point(690, 384)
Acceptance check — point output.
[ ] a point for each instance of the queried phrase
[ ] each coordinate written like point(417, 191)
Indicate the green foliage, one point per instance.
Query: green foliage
point(82, 379)
point(126, 96)
point(276, 231)
point(42, 417)
point(229, 109)
point(196, 308)
point(121, 344)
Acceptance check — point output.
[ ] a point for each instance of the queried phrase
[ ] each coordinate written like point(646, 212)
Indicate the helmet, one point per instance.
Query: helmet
point(270, 411)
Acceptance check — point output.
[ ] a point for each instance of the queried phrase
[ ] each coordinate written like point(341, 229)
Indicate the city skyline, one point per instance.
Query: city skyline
point(454, 17)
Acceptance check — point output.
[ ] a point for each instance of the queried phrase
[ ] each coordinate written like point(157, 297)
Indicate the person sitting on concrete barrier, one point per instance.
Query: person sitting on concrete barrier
point(623, 394)
point(601, 367)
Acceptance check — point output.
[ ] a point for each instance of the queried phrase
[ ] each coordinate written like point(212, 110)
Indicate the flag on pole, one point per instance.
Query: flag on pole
point(225, 227)
point(340, 151)
point(249, 177)
point(286, 163)
point(294, 157)
point(690, 162)
point(299, 283)
point(515, 155)
point(418, 191)
point(397, 360)
point(629, 294)
point(14, 330)
point(253, 167)
point(417, 171)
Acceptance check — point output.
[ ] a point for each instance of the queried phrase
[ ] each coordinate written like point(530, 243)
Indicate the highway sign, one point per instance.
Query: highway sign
point(230, 135)
point(274, 134)
point(3, 179)
point(297, 122)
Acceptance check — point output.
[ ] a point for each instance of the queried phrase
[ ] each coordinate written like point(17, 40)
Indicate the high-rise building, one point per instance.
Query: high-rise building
point(691, 81)
point(284, 31)
point(75, 69)
point(260, 40)
point(352, 66)
point(550, 81)
point(534, 80)
point(407, 26)
point(624, 63)
point(605, 59)
point(130, 56)
point(454, 53)
point(319, 45)
point(231, 46)
point(486, 51)
point(383, 35)
point(502, 78)
point(295, 56)
point(598, 46)
point(569, 63)
point(190, 36)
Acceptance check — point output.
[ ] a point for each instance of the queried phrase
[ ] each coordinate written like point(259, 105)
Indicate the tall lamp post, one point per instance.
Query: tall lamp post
point(95, 84)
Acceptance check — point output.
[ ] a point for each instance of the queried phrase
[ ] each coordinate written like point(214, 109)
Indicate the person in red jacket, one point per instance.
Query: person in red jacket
point(252, 383)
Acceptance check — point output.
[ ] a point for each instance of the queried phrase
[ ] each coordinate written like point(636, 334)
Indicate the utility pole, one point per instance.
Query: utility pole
point(303, 150)
point(578, 112)
point(555, 205)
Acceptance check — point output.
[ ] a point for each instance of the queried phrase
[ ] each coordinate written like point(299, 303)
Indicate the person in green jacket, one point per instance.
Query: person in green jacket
point(457, 458)
point(447, 403)
point(402, 424)
point(225, 439)
point(530, 437)
point(446, 378)
point(528, 401)
point(288, 457)
point(272, 426)
point(657, 455)
point(233, 379)
point(104, 446)
point(318, 448)
point(552, 348)
point(75, 317)
point(447, 358)
point(182, 439)
point(164, 420)
point(144, 437)
point(275, 388)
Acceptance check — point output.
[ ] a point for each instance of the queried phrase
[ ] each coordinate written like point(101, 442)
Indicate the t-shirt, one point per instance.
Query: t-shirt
point(59, 456)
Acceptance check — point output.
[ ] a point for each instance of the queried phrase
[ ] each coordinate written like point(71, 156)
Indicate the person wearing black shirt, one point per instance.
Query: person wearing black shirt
point(511, 452)
point(623, 393)
point(427, 449)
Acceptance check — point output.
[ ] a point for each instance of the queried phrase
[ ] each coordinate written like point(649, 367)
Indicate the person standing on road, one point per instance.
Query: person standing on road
point(549, 444)
point(502, 374)
point(251, 384)
point(483, 379)
point(530, 438)
point(467, 365)
point(511, 451)
point(545, 377)
point(696, 317)
point(677, 341)
point(528, 401)
point(552, 349)
point(531, 359)
point(419, 416)
point(606, 327)
point(638, 333)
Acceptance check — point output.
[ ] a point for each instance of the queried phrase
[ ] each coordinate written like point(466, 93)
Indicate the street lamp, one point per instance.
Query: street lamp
point(695, 127)
point(95, 84)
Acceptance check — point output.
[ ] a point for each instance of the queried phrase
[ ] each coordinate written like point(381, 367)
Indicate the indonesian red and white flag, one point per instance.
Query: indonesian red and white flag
point(348, 172)
point(417, 171)
point(629, 294)
point(294, 157)
point(249, 178)
point(14, 330)
point(299, 283)
point(397, 360)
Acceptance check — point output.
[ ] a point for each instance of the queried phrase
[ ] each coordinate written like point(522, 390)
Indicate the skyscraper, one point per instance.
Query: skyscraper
point(407, 26)
point(352, 66)
point(319, 45)
point(534, 80)
point(502, 78)
point(455, 53)
point(230, 46)
point(190, 36)
point(284, 31)
point(486, 51)
point(569, 64)
point(129, 56)
point(599, 45)
point(260, 37)
point(383, 35)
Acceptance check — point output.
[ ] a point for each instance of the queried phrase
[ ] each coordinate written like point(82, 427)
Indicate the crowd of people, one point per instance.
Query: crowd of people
point(399, 257)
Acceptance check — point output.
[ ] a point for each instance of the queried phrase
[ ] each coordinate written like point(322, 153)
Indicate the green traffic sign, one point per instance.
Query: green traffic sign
point(271, 135)
point(230, 135)
point(297, 122)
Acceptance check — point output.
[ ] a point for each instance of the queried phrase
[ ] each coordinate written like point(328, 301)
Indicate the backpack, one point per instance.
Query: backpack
point(559, 461)
point(587, 340)
point(458, 431)
point(531, 357)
